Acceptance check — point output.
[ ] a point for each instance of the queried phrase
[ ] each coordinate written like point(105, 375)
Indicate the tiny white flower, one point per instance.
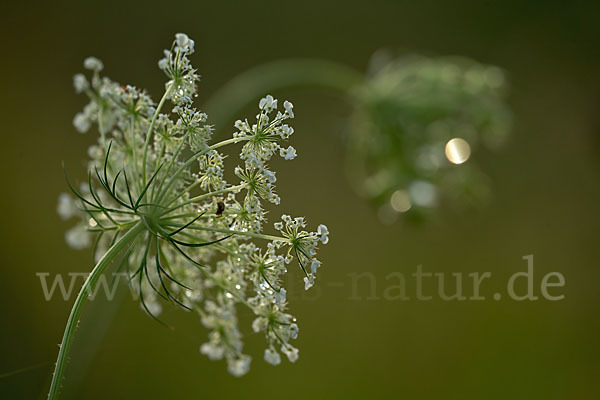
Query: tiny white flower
point(314, 265)
point(80, 83)
point(212, 351)
point(323, 232)
point(289, 108)
point(93, 64)
point(291, 352)
point(182, 39)
point(239, 367)
point(262, 103)
point(81, 123)
point(260, 324)
point(66, 206)
point(272, 357)
point(95, 151)
point(288, 154)
point(267, 103)
point(285, 132)
point(294, 331)
point(280, 296)
point(270, 175)
point(309, 282)
point(78, 237)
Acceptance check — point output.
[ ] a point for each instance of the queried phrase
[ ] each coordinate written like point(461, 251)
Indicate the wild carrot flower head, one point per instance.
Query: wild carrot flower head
point(418, 118)
point(201, 244)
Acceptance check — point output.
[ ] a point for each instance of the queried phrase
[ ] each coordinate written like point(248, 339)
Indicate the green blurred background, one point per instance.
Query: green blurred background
point(545, 199)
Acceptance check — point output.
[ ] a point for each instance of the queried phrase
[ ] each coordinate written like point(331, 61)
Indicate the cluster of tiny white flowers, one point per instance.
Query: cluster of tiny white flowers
point(263, 136)
point(181, 87)
point(211, 171)
point(302, 244)
point(200, 243)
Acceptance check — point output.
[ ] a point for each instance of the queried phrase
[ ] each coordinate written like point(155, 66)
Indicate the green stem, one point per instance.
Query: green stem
point(193, 158)
point(80, 302)
point(203, 196)
point(101, 126)
point(174, 157)
point(258, 81)
point(149, 133)
point(134, 151)
point(223, 230)
point(157, 165)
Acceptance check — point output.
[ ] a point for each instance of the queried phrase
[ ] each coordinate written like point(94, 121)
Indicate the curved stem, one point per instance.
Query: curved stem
point(82, 297)
point(256, 82)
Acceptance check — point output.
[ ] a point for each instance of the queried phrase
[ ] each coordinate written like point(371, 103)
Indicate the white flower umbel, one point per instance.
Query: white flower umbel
point(156, 202)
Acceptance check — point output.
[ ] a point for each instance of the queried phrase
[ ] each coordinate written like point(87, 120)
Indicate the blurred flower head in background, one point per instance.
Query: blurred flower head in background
point(417, 123)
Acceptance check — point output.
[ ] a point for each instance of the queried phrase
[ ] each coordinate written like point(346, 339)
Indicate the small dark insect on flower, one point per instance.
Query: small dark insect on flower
point(220, 208)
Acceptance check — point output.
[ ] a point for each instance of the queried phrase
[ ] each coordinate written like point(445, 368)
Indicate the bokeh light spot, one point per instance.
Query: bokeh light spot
point(458, 151)
point(400, 201)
